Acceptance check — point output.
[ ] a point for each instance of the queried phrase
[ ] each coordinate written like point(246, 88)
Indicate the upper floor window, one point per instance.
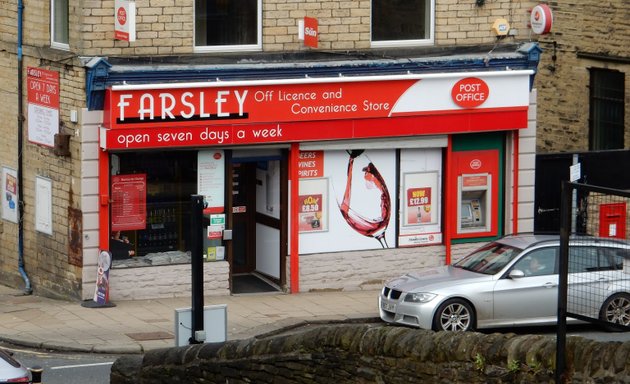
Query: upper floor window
point(228, 25)
point(59, 24)
point(402, 22)
point(606, 109)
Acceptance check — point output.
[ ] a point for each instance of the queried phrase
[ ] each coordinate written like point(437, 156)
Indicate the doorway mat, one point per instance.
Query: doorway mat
point(250, 284)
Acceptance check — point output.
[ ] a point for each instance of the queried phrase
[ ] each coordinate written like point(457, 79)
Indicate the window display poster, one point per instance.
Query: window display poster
point(129, 202)
point(9, 195)
point(311, 164)
point(43, 205)
point(312, 215)
point(418, 206)
point(210, 179)
point(360, 204)
point(420, 197)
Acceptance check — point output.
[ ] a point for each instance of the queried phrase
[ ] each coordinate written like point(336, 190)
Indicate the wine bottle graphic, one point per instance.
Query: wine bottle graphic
point(370, 227)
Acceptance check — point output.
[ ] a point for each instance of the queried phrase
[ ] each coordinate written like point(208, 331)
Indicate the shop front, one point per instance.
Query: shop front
point(310, 183)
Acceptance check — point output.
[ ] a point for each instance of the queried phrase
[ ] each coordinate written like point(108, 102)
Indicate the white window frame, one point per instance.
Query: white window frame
point(53, 42)
point(408, 43)
point(232, 48)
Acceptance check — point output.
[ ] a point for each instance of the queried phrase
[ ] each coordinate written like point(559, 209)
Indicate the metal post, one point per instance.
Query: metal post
point(36, 374)
point(565, 226)
point(196, 255)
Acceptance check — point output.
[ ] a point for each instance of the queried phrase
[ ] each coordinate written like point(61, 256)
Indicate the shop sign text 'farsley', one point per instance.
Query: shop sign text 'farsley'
point(226, 104)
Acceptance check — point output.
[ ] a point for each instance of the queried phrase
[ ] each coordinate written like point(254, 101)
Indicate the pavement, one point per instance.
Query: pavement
point(129, 327)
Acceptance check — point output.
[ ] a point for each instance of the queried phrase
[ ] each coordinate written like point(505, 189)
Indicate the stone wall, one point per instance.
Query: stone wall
point(364, 353)
point(166, 27)
point(52, 266)
point(580, 27)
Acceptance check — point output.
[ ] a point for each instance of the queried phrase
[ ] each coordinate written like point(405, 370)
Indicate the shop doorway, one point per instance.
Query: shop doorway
point(256, 201)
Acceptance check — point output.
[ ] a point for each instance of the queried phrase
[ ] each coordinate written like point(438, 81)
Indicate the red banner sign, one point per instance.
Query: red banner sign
point(311, 164)
point(43, 87)
point(257, 104)
point(199, 114)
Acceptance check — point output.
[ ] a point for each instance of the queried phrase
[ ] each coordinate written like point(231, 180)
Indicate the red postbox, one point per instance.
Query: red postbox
point(612, 220)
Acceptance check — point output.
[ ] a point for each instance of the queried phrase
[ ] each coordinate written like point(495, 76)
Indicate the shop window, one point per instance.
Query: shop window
point(169, 181)
point(402, 22)
point(59, 29)
point(606, 109)
point(223, 25)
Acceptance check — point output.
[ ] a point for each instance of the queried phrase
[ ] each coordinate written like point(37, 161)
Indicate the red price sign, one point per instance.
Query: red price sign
point(418, 196)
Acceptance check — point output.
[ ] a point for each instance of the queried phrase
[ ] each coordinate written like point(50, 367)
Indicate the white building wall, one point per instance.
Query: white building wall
point(89, 122)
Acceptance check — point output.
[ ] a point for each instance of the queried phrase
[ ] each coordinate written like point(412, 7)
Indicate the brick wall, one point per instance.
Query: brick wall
point(587, 26)
point(46, 257)
point(165, 27)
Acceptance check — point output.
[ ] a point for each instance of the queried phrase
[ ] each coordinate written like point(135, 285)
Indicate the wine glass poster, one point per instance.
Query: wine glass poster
point(362, 204)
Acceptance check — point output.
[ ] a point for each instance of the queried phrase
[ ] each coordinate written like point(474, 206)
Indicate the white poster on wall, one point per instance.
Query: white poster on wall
point(9, 195)
point(420, 197)
point(43, 205)
point(210, 179)
point(361, 202)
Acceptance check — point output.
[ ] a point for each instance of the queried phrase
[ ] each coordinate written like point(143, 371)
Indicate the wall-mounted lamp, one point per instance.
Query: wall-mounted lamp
point(480, 2)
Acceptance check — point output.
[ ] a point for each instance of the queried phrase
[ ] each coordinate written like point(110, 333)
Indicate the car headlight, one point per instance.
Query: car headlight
point(422, 297)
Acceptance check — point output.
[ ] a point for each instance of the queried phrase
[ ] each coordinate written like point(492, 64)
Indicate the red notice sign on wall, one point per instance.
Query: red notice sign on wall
point(129, 202)
point(43, 105)
point(311, 32)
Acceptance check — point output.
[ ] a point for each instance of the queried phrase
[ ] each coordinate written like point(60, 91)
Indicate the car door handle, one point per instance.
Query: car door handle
point(550, 285)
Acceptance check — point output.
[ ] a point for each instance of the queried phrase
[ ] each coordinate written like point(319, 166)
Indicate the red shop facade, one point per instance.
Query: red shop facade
point(309, 183)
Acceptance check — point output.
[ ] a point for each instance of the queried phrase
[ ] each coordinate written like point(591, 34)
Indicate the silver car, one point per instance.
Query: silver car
point(11, 371)
point(514, 282)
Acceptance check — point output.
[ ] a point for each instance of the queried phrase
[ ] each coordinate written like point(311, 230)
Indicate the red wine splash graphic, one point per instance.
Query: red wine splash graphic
point(367, 227)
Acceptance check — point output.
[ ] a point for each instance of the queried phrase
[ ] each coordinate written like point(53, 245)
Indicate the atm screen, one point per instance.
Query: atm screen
point(467, 214)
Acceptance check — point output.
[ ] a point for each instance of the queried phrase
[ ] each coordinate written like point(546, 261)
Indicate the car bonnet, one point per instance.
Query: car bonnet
point(431, 279)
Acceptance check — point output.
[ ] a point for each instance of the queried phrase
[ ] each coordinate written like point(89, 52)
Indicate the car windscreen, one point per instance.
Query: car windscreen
point(489, 259)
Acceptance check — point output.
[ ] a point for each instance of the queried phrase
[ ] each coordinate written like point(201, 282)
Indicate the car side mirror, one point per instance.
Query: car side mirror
point(516, 274)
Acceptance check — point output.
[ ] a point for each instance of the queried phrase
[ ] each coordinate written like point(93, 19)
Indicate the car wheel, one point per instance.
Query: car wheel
point(616, 310)
point(454, 315)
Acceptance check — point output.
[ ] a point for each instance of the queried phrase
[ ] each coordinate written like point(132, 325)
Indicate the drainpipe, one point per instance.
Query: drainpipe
point(27, 289)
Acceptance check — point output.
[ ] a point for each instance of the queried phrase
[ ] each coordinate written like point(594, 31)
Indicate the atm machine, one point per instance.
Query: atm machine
point(474, 197)
point(475, 205)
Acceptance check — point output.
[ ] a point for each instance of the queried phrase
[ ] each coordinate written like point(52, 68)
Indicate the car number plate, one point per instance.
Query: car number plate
point(388, 306)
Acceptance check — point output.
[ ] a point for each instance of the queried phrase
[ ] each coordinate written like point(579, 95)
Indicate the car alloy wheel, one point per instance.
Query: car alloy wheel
point(616, 309)
point(454, 315)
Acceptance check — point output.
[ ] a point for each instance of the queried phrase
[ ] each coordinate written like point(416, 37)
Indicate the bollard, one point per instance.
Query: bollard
point(36, 374)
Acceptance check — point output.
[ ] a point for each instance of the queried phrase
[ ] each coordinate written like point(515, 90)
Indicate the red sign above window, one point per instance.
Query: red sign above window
point(290, 110)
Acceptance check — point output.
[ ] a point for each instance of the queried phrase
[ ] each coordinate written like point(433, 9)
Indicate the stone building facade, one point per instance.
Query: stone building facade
point(586, 35)
point(63, 263)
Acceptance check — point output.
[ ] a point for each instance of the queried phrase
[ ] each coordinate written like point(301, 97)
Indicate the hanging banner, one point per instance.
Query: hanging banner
point(129, 202)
